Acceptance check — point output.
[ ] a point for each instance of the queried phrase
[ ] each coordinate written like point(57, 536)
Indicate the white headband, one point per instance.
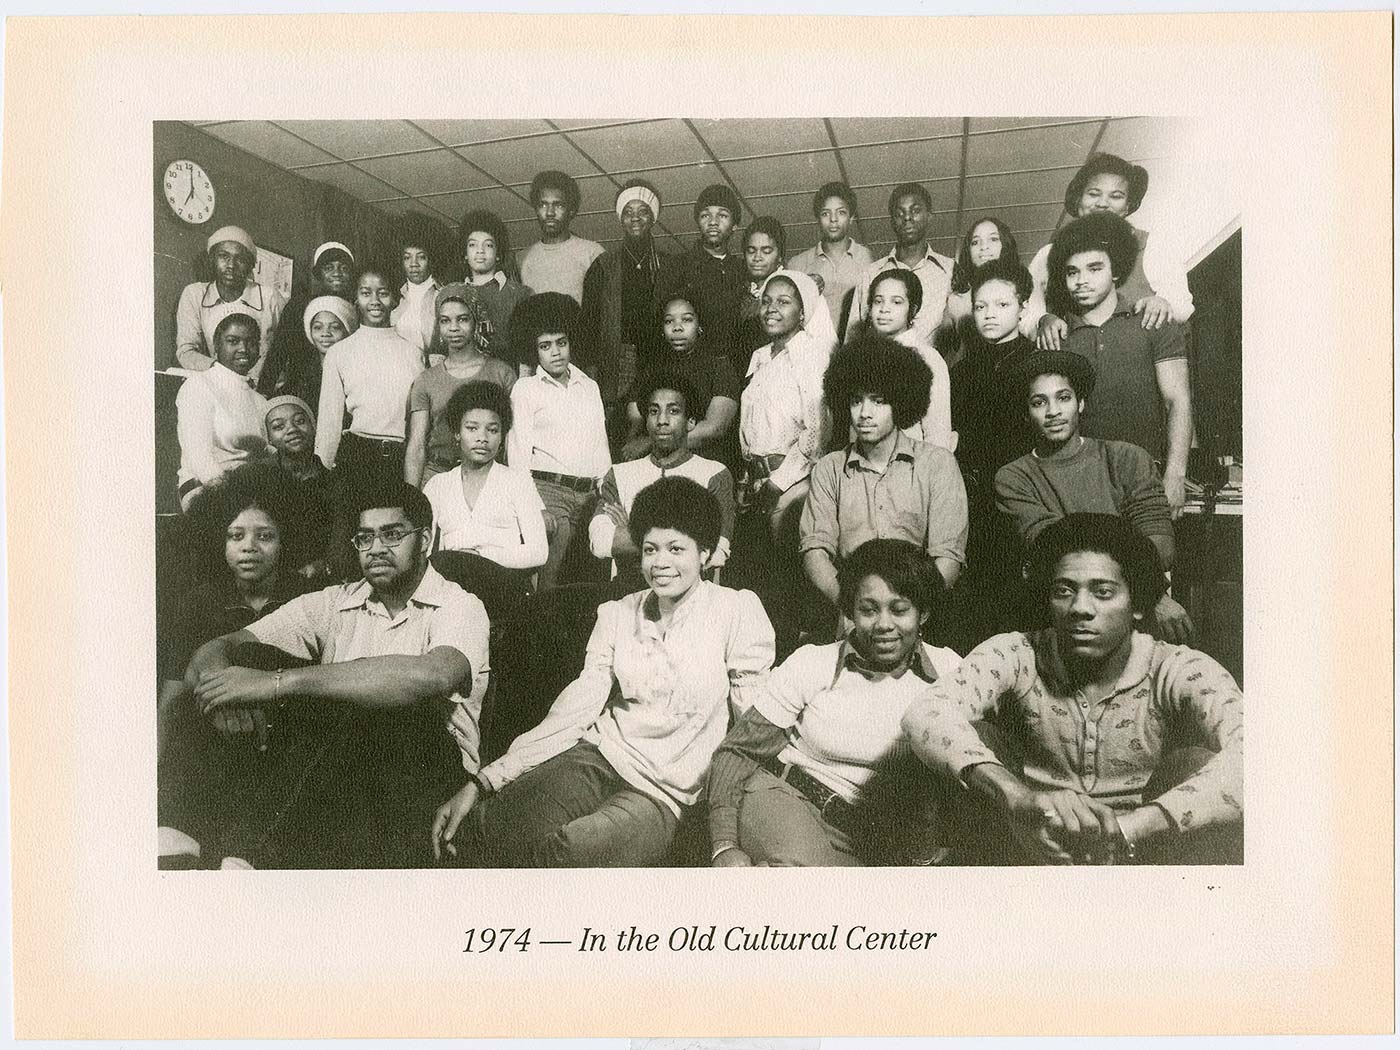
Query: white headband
point(329, 246)
point(639, 193)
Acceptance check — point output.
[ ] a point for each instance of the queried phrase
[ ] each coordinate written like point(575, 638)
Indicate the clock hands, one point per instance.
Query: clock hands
point(191, 193)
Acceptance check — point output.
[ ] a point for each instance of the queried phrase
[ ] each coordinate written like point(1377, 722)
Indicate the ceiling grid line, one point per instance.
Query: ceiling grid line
point(1093, 148)
point(962, 175)
point(845, 176)
point(718, 165)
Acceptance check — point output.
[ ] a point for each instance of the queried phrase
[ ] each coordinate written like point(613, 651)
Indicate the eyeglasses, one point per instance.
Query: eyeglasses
point(390, 536)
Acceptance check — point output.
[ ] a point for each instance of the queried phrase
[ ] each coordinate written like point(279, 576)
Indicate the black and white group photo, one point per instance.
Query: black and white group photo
point(694, 492)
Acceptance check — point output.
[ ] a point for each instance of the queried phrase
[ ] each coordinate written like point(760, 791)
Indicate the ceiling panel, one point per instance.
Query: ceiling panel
point(904, 162)
point(516, 163)
point(501, 201)
point(629, 146)
point(1029, 148)
point(1025, 217)
point(853, 131)
point(463, 132)
point(754, 138)
point(776, 174)
point(356, 183)
point(569, 123)
point(995, 123)
point(597, 193)
point(352, 139)
point(265, 139)
point(787, 209)
point(596, 227)
point(433, 172)
point(680, 186)
point(1134, 138)
point(994, 191)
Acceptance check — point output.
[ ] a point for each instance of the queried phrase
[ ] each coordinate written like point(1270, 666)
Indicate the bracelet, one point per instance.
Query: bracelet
point(1129, 847)
point(722, 848)
point(481, 785)
point(277, 686)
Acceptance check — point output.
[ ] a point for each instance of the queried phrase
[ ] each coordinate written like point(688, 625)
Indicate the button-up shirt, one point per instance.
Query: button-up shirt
point(840, 271)
point(935, 274)
point(917, 496)
point(558, 425)
point(506, 524)
point(1106, 749)
point(655, 704)
point(843, 720)
point(347, 622)
point(781, 410)
point(219, 421)
point(1127, 403)
point(201, 309)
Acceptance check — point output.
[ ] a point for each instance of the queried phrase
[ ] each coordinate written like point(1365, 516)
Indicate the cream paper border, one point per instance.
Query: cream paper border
point(1298, 940)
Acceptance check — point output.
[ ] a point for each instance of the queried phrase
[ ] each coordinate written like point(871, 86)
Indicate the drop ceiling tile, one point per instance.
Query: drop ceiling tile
point(1030, 148)
point(628, 147)
point(569, 123)
point(754, 138)
point(790, 209)
point(1027, 217)
point(998, 123)
point(679, 219)
point(464, 132)
point(503, 202)
point(902, 162)
point(400, 207)
point(597, 193)
point(352, 139)
point(516, 163)
point(266, 140)
point(1135, 137)
point(356, 183)
point(680, 186)
point(780, 174)
point(853, 131)
point(433, 172)
point(991, 192)
point(1030, 243)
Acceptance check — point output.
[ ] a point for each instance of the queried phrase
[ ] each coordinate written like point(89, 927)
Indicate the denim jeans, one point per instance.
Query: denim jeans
point(572, 811)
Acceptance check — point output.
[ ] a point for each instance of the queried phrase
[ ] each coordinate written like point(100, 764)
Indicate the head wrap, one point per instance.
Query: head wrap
point(329, 304)
point(638, 193)
point(721, 196)
point(458, 292)
point(816, 317)
point(288, 399)
point(330, 246)
point(236, 234)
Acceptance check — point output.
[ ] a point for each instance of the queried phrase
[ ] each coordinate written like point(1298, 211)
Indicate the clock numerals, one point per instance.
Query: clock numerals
point(188, 191)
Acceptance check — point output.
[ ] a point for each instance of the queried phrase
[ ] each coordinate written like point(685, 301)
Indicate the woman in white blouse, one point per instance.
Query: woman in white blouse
point(488, 518)
point(604, 779)
point(219, 416)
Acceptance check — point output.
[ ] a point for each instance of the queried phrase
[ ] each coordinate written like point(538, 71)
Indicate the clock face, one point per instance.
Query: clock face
point(189, 192)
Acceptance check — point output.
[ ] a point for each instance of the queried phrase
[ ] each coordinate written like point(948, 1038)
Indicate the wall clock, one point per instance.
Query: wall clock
point(189, 192)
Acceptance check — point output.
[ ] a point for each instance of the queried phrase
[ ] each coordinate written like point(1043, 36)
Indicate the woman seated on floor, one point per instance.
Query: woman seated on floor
point(818, 772)
point(604, 779)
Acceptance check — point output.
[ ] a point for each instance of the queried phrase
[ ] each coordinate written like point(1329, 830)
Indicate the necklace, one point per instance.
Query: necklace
point(638, 261)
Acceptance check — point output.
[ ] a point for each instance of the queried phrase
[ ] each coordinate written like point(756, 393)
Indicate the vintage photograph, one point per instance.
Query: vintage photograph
point(686, 492)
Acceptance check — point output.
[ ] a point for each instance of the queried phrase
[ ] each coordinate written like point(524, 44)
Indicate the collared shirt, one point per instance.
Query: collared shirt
point(558, 425)
point(559, 267)
point(918, 496)
point(1099, 477)
point(781, 410)
point(1167, 696)
point(219, 421)
point(839, 272)
point(507, 523)
point(1127, 403)
point(200, 310)
point(414, 317)
point(656, 705)
point(1159, 270)
point(625, 480)
point(347, 622)
point(720, 284)
point(369, 374)
point(843, 721)
point(935, 274)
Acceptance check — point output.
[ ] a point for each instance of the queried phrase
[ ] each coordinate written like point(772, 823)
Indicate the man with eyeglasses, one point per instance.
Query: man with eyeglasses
point(340, 718)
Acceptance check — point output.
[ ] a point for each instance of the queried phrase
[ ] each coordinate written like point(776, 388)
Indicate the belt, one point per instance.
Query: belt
point(569, 481)
point(385, 447)
point(834, 809)
point(762, 466)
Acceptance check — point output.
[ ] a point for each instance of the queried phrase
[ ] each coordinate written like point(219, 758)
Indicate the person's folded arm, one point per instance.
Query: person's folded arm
point(751, 740)
point(191, 350)
point(719, 417)
point(1202, 695)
